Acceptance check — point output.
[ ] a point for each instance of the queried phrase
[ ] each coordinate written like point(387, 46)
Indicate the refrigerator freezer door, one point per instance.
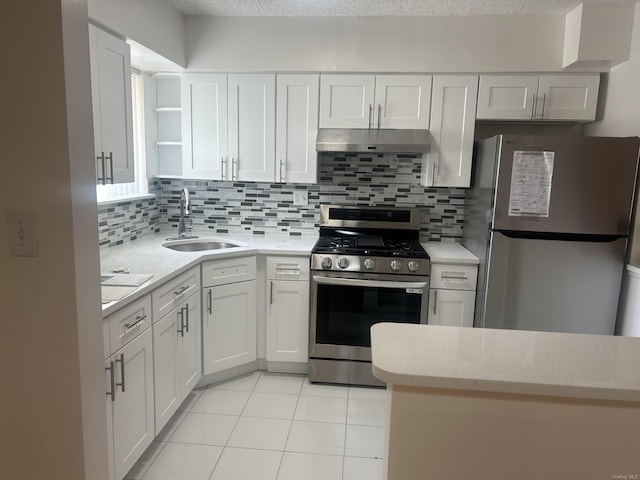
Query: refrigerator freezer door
point(552, 285)
point(591, 184)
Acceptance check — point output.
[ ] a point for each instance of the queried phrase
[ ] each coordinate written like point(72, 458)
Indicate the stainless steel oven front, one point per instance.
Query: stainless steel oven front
point(344, 306)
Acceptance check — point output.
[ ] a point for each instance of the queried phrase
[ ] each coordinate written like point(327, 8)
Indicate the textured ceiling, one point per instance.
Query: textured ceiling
point(295, 8)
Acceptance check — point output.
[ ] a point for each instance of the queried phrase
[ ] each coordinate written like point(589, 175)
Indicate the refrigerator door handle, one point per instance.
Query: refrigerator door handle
point(569, 237)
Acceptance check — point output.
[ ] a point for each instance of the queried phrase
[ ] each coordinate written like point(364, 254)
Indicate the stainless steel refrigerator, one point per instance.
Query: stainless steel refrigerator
point(549, 218)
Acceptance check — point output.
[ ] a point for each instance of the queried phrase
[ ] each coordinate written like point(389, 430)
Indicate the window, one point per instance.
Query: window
point(122, 191)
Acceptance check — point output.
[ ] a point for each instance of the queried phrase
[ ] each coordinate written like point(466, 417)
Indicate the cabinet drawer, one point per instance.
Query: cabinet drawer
point(232, 270)
point(176, 290)
point(454, 277)
point(288, 268)
point(128, 322)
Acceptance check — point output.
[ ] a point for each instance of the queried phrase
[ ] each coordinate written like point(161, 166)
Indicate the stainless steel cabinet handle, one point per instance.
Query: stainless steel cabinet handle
point(180, 314)
point(379, 114)
point(281, 174)
point(454, 276)
point(181, 291)
point(209, 302)
point(370, 113)
point(100, 159)
point(121, 384)
point(186, 311)
point(544, 101)
point(271, 294)
point(110, 159)
point(234, 167)
point(112, 382)
point(223, 164)
point(139, 320)
point(435, 301)
point(533, 108)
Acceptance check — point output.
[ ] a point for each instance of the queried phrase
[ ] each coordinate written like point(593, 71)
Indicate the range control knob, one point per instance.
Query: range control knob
point(326, 262)
point(396, 265)
point(413, 266)
point(369, 264)
point(343, 262)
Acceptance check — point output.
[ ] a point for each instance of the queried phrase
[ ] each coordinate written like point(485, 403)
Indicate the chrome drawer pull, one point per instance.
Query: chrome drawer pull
point(112, 382)
point(139, 321)
point(181, 291)
point(121, 360)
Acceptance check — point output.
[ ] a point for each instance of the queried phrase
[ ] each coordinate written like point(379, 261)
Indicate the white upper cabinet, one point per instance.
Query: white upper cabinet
point(402, 101)
point(375, 101)
point(453, 113)
point(568, 97)
point(346, 101)
point(296, 128)
point(252, 127)
point(204, 126)
point(112, 108)
point(228, 126)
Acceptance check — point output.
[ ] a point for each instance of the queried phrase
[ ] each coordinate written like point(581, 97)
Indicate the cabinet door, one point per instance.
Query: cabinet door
point(112, 108)
point(507, 97)
point(288, 321)
point(166, 368)
point(252, 127)
point(453, 108)
point(190, 343)
point(346, 101)
point(229, 326)
point(402, 101)
point(296, 128)
point(451, 307)
point(567, 97)
point(133, 419)
point(204, 126)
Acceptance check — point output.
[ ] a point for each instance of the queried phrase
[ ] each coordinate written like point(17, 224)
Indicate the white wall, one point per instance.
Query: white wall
point(52, 423)
point(434, 44)
point(152, 23)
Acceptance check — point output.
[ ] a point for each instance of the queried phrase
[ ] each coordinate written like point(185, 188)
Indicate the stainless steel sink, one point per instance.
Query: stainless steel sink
point(200, 244)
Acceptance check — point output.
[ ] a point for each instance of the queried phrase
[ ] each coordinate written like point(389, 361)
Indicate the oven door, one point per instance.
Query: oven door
point(345, 306)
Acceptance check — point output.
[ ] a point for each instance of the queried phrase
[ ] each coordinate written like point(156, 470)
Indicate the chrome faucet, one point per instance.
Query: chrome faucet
point(185, 225)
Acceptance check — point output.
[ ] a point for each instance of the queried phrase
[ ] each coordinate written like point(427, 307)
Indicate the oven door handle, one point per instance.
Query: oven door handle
point(353, 282)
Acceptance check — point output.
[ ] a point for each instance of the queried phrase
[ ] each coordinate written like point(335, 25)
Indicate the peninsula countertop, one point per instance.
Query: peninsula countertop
point(507, 361)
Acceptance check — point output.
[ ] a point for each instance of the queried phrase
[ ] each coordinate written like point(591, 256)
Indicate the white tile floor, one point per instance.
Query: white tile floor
point(266, 426)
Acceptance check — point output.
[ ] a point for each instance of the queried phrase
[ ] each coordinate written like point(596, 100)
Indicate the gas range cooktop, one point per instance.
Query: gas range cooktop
point(381, 240)
point(370, 245)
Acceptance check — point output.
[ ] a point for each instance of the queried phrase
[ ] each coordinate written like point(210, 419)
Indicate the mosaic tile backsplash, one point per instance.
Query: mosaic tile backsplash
point(123, 222)
point(268, 208)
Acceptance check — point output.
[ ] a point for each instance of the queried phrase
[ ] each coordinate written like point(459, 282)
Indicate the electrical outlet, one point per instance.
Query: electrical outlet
point(300, 197)
point(21, 226)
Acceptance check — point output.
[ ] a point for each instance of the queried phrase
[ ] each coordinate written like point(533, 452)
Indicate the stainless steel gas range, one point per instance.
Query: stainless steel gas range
point(367, 267)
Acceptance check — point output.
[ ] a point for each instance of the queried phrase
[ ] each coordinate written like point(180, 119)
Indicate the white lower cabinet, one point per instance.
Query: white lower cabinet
point(287, 310)
point(452, 295)
point(177, 358)
point(129, 376)
point(229, 319)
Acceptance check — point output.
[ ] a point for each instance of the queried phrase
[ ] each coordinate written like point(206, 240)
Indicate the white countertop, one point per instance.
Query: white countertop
point(507, 361)
point(147, 256)
point(448, 252)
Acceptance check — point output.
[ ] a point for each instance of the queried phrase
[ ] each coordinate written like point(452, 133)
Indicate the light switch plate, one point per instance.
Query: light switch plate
point(300, 197)
point(21, 227)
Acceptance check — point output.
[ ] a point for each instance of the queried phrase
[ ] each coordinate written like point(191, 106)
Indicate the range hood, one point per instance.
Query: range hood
point(359, 140)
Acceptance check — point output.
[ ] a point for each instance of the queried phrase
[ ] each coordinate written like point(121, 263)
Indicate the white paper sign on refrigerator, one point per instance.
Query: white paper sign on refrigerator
point(531, 179)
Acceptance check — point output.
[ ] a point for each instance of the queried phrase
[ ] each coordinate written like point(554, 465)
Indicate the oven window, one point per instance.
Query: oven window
point(345, 314)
